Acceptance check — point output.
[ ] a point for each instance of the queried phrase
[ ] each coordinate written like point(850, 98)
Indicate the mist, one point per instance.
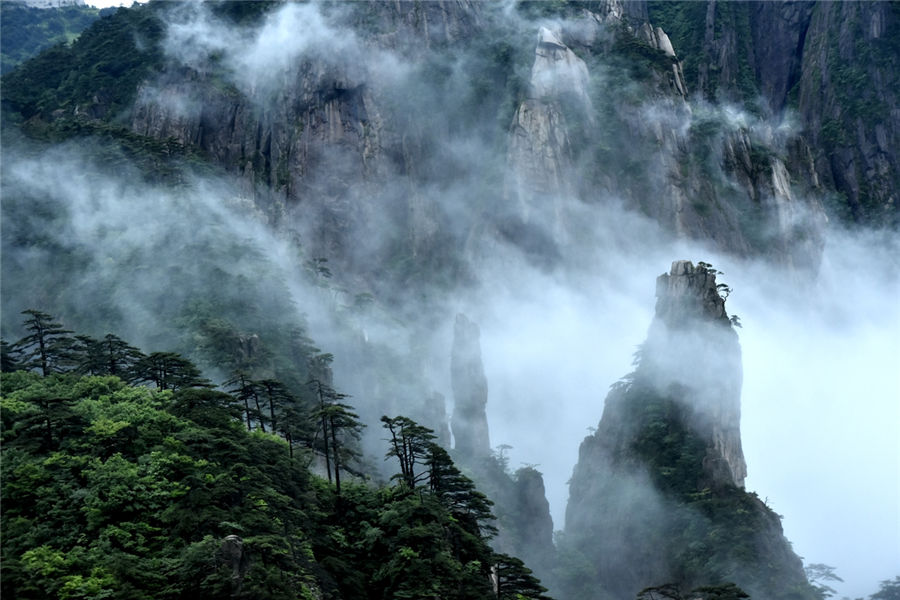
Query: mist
point(821, 355)
point(820, 411)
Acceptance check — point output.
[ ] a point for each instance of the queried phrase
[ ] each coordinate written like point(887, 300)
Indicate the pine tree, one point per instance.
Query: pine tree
point(48, 347)
point(514, 581)
point(109, 356)
point(412, 444)
point(9, 357)
point(169, 371)
point(458, 493)
point(241, 387)
point(343, 426)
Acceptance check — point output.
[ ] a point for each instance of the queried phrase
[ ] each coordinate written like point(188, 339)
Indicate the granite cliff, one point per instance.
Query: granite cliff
point(657, 495)
point(579, 105)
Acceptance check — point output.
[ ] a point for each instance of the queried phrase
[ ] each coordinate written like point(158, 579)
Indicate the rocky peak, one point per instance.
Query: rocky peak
point(688, 293)
point(539, 153)
point(557, 72)
point(664, 470)
point(469, 422)
point(691, 347)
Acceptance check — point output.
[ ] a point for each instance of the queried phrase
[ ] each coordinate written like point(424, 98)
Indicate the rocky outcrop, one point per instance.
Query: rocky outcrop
point(557, 72)
point(337, 153)
point(832, 63)
point(533, 521)
point(657, 495)
point(848, 98)
point(539, 153)
point(234, 558)
point(469, 421)
point(434, 416)
point(691, 347)
point(326, 144)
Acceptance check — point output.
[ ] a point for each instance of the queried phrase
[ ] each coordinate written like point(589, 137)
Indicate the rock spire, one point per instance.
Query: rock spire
point(469, 422)
point(657, 495)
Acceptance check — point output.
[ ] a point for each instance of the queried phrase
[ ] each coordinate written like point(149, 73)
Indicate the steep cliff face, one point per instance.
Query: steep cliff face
point(318, 131)
point(657, 495)
point(848, 97)
point(828, 62)
point(702, 174)
point(540, 154)
point(692, 329)
point(334, 134)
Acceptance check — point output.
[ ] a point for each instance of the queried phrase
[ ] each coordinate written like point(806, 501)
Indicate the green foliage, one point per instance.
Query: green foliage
point(115, 491)
point(706, 531)
point(27, 30)
point(410, 443)
point(515, 581)
point(683, 22)
point(120, 503)
point(109, 356)
point(100, 70)
point(169, 371)
point(48, 347)
point(643, 59)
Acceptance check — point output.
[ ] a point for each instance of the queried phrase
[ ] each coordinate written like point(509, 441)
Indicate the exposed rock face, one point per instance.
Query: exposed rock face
point(335, 145)
point(663, 474)
point(692, 347)
point(779, 31)
point(319, 147)
point(557, 72)
point(434, 416)
point(832, 62)
point(469, 421)
point(848, 98)
point(539, 151)
point(233, 556)
point(535, 523)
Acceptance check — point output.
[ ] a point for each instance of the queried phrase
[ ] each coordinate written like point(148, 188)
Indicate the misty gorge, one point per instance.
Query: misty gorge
point(585, 300)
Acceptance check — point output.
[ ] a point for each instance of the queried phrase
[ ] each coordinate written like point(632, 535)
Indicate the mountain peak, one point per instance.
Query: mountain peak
point(689, 292)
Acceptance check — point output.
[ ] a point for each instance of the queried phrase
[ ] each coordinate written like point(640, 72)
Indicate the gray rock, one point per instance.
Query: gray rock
point(669, 436)
point(470, 392)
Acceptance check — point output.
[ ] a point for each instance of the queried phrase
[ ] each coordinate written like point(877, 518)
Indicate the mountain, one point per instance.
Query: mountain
point(453, 209)
point(829, 62)
point(657, 497)
point(748, 184)
point(30, 27)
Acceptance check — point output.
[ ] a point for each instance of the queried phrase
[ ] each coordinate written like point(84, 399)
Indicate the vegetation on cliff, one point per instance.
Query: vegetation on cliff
point(176, 490)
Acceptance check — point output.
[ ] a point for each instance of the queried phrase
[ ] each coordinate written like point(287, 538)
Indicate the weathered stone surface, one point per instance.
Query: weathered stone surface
point(539, 153)
point(557, 72)
point(232, 554)
point(470, 392)
point(848, 98)
point(535, 523)
point(691, 346)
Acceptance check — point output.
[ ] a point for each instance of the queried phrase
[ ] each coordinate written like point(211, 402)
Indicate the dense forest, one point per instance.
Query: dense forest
point(27, 31)
point(114, 489)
